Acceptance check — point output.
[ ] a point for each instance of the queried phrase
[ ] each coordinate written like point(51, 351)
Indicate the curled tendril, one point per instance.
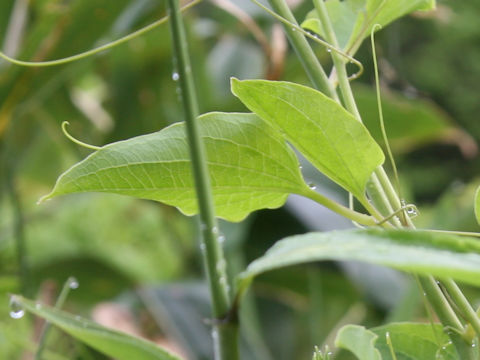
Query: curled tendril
point(76, 141)
point(316, 39)
point(94, 51)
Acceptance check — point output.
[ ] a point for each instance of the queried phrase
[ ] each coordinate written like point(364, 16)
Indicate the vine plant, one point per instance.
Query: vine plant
point(228, 165)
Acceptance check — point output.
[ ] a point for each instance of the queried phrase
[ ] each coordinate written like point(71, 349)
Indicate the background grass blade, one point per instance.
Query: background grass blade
point(110, 342)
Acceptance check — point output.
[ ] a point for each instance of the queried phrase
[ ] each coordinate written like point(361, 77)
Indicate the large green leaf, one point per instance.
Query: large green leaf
point(414, 341)
point(353, 20)
point(359, 341)
point(324, 132)
point(420, 252)
point(251, 167)
point(110, 342)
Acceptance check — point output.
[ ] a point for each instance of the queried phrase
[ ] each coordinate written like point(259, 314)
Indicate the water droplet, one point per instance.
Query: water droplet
point(16, 311)
point(203, 247)
point(175, 76)
point(474, 345)
point(411, 211)
point(300, 167)
point(221, 238)
point(293, 29)
point(329, 353)
point(329, 50)
point(403, 202)
point(312, 186)
point(215, 335)
point(73, 283)
point(444, 348)
point(215, 231)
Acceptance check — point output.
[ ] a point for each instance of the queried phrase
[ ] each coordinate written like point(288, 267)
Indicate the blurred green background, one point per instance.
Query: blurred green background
point(137, 261)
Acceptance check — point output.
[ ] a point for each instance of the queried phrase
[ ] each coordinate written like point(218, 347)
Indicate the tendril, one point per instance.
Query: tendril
point(316, 39)
point(94, 51)
point(76, 141)
point(409, 208)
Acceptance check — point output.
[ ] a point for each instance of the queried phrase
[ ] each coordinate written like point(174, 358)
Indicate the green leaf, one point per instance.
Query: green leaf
point(352, 20)
point(321, 129)
point(110, 342)
point(420, 252)
point(359, 341)
point(477, 205)
point(251, 167)
point(414, 341)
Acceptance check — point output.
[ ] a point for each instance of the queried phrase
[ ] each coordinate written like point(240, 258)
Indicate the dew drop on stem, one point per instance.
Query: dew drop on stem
point(16, 309)
point(175, 76)
point(73, 283)
point(312, 186)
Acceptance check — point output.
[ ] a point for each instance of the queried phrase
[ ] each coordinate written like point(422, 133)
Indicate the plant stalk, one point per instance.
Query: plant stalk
point(67, 286)
point(307, 57)
point(434, 294)
point(461, 301)
point(224, 330)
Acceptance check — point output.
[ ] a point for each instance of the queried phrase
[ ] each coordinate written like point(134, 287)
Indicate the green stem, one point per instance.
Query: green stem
point(224, 331)
point(436, 297)
point(305, 53)
point(461, 301)
point(67, 286)
point(360, 218)
point(447, 316)
point(338, 61)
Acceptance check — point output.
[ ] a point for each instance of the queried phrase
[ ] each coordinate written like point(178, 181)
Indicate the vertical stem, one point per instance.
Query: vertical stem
point(463, 304)
point(440, 304)
point(224, 332)
point(304, 51)
point(67, 286)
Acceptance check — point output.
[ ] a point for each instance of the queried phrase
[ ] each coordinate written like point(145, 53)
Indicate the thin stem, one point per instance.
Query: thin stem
point(91, 52)
point(70, 284)
point(338, 61)
point(436, 297)
point(463, 304)
point(305, 53)
point(315, 38)
point(380, 111)
point(353, 215)
point(224, 331)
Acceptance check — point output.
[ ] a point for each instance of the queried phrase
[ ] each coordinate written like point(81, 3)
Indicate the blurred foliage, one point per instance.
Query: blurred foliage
point(430, 71)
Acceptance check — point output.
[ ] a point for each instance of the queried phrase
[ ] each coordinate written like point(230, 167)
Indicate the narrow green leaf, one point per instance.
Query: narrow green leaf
point(359, 341)
point(414, 341)
point(321, 129)
point(110, 342)
point(250, 165)
point(353, 20)
point(420, 252)
point(477, 205)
